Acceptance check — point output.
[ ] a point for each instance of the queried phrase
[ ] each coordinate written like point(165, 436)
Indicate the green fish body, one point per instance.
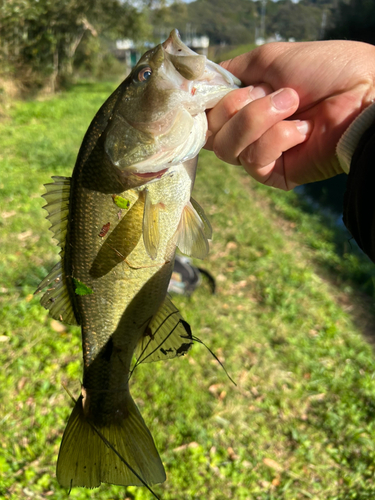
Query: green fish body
point(118, 221)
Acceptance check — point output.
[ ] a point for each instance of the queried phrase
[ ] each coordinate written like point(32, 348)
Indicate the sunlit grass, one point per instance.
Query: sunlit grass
point(287, 321)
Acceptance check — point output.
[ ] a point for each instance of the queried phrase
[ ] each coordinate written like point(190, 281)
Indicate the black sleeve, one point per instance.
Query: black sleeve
point(359, 200)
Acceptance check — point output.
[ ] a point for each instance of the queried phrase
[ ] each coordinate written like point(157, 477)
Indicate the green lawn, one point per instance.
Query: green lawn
point(291, 321)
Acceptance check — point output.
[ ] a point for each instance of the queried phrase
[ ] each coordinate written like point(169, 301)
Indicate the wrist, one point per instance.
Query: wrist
point(352, 135)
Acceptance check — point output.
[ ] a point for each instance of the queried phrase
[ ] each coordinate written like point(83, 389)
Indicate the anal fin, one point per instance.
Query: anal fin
point(166, 337)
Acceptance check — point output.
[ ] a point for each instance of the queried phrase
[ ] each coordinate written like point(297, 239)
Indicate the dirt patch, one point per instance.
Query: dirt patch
point(8, 89)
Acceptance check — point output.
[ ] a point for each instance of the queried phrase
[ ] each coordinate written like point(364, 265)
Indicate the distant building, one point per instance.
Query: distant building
point(126, 51)
point(199, 43)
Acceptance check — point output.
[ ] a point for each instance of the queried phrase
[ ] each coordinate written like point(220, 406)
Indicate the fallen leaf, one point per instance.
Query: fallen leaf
point(273, 464)
point(81, 288)
point(120, 202)
point(6, 215)
point(276, 481)
point(21, 384)
point(232, 454)
point(193, 444)
point(25, 235)
point(222, 395)
point(215, 389)
point(231, 245)
point(57, 326)
point(221, 277)
point(317, 397)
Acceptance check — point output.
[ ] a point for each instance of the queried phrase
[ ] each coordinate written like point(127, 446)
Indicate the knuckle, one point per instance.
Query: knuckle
point(248, 157)
point(232, 103)
point(218, 149)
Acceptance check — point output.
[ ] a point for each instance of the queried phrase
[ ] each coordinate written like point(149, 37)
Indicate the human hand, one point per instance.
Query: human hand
point(284, 128)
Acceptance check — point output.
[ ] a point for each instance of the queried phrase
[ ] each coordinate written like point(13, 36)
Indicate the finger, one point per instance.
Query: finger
point(260, 158)
point(251, 122)
point(257, 65)
point(232, 103)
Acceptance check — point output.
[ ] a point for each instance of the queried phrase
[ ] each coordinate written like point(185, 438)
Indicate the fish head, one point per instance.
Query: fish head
point(159, 120)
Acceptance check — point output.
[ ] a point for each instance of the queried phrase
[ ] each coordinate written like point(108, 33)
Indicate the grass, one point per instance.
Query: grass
point(289, 320)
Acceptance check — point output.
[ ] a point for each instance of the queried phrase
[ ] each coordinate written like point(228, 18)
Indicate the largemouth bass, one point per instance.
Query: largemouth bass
point(118, 221)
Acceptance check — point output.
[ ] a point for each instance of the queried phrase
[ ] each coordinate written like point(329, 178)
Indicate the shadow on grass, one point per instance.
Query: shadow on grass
point(339, 260)
point(325, 199)
point(350, 267)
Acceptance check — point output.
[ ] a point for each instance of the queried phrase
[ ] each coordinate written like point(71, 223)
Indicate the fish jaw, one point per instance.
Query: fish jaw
point(207, 86)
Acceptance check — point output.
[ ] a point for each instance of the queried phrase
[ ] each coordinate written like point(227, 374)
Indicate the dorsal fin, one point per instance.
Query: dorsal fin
point(193, 231)
point(57, 198)
point(57, 299)
point(167, 336)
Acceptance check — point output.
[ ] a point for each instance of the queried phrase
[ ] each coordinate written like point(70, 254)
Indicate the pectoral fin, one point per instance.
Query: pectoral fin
point(207, 229)
point(167, 336)
point(193, 231)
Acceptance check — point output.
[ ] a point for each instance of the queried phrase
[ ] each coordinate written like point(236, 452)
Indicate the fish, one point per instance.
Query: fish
point(118, 221)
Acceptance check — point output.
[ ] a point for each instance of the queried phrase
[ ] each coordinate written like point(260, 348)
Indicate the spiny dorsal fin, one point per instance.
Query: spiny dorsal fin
point(151, 235)
point(57, 298)
point(57, 198)
point(193, 232)
point(166, 337)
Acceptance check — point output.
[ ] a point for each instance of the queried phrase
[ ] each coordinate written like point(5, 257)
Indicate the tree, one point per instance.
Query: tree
point(42, 36)
point(301, 21)
point(222, 21)
point(354, 20)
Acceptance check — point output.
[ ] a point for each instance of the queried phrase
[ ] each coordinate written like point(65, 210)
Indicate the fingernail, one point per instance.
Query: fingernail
point(284, 99)
point(257, 93)
point(303, 126)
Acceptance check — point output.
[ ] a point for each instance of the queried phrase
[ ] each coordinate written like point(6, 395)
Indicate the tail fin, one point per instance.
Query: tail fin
point(89, 456)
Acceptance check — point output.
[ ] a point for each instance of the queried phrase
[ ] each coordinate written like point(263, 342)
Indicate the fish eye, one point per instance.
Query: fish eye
point(144, 74)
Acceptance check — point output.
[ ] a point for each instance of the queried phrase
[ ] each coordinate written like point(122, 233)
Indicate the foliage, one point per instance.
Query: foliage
point(40, 38)
point(287, 321)
point(301, 21)
point(354, 20)
point(235, 23)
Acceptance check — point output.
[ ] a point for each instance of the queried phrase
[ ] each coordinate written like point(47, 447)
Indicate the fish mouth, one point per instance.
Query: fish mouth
point(204, 81)
point(148, 176)
point(212, 73)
